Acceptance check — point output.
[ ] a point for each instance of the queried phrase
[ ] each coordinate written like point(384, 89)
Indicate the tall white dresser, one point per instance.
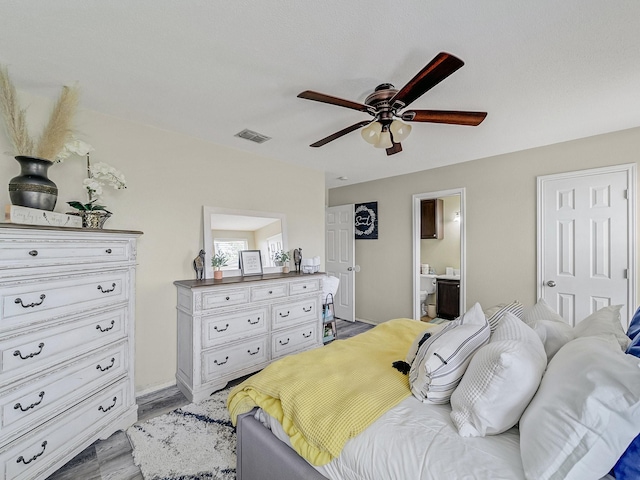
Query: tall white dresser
point(238, 325)
point(67, 299)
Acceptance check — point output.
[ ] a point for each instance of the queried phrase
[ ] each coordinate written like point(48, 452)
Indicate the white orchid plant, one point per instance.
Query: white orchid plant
point(99, 175)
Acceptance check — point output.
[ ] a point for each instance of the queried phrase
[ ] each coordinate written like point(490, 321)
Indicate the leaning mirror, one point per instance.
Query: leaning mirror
point(229, 231)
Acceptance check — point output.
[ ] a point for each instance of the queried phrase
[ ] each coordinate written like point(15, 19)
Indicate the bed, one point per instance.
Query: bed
point(576, 416)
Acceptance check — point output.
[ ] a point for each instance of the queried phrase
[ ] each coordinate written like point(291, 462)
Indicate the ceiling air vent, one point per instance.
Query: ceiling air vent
point(253, 136)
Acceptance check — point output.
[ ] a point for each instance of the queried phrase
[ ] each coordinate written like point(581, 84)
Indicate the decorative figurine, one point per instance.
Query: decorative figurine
point(297, 258)
point(198, 265)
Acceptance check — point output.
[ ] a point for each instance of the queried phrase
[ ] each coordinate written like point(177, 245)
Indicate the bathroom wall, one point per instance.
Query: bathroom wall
point(444, 252)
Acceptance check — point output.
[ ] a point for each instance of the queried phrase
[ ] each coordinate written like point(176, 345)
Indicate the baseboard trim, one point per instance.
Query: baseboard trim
point(370, 322)
point(155, 388)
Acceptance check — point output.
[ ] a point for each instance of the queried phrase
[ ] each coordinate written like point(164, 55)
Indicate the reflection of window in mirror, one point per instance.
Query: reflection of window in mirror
point(230, 247)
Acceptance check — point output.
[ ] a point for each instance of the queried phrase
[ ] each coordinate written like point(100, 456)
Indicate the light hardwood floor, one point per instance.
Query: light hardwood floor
point(112, 459)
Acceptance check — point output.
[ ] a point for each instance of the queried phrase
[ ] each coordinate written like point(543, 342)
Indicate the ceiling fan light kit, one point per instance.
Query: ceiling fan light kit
point(384, 104)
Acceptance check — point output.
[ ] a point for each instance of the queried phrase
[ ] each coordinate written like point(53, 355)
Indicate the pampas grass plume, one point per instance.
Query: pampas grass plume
point(14, 116)
point(58, 131)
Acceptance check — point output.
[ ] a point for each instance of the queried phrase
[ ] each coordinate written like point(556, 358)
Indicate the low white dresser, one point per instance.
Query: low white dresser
point(238, 325)
point(67, 299)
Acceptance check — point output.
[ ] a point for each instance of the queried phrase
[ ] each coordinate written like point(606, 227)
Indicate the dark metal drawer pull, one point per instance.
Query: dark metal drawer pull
point(226, 359)
point(108, 250)
point(304, 286)
point(307, 336)
point(19, 300)
point(113, 323)
point(113, 362)
point(270, 292)
point(307, 311)
point(226, 298)
point(253, 353)
point(113, 287)
point(19, 406)
point(105, 410)
point(253, 323)
point(17, 352)
point(283, 343)
point(222, 329)
point(287, 314)
point(27, 462)
point(33, 253)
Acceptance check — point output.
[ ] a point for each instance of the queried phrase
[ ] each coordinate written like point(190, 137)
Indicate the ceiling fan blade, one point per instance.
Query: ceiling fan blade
point(443, 65)
point(321, 97)
point(342, 132)
point(395, 148)
point(444, 116)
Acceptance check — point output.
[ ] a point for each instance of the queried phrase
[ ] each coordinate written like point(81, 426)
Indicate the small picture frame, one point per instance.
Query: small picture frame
point(250, 262)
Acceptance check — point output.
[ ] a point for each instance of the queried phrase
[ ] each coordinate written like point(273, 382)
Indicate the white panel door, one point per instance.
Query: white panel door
point(340, 258)
point(585, 242)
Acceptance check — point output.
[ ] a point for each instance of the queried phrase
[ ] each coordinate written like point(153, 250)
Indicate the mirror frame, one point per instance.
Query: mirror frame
point(208, 240)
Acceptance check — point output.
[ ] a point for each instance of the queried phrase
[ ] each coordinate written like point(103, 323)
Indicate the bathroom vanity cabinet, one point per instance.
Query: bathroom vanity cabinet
point(431, 219)
point(448, 298)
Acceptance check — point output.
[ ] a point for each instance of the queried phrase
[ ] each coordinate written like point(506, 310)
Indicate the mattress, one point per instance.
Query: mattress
point(419, 442)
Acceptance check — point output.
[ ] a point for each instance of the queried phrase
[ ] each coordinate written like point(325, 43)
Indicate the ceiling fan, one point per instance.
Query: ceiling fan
point(385, 130)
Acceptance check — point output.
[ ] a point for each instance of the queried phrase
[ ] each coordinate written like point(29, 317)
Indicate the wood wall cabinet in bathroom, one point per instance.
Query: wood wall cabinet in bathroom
point(431, 224)
point(448, 298)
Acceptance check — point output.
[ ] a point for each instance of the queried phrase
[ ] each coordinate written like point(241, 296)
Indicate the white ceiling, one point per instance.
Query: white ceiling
point(545, 71)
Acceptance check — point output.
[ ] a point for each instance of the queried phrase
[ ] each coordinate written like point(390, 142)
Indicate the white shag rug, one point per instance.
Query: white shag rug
point(196, 442)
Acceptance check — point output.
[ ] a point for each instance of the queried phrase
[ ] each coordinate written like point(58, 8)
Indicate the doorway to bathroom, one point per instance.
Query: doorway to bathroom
point(439, 251)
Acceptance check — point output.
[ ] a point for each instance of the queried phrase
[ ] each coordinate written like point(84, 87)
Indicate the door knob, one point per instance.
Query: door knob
point(355, 268)
point(551, 283)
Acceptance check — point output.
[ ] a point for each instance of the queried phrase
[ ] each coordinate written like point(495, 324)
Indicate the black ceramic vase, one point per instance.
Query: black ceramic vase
point(32, 188)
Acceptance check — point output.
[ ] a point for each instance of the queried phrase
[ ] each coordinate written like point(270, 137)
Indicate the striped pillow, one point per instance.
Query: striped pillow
point(495, 313)
point(443, 358)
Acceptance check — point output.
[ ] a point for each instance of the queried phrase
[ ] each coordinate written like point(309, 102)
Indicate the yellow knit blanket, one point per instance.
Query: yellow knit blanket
point(326, 396)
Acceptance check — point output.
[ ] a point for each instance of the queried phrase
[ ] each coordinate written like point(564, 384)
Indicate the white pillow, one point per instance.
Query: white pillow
point(605, 321)
point(540, 311)
point(585, 413)
point(443, 357)
point(554, 335)
point(500, 381)
point(495, 313)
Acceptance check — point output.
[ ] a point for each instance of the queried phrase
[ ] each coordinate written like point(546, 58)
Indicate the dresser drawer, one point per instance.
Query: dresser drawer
point(289, 341)
point(224, 328)
point(267, 292)
point(31, 455)
point(222, 361)
point(224, 298)
point(288, 314)
point(25, 252)
point(308, 286)
point(39, 349)
point(32, 402)
point(33, 301)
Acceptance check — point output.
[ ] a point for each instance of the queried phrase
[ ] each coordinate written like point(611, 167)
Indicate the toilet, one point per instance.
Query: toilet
point(427, 287)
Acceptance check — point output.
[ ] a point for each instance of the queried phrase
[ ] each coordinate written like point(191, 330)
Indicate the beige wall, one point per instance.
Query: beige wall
point(501, 221)
point(170, 177)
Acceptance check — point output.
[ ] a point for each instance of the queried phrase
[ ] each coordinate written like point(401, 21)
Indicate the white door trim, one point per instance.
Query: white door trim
point(630, 169)
point(416, 245)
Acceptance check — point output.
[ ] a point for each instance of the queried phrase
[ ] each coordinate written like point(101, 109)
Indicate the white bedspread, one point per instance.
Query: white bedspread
point(414, 441)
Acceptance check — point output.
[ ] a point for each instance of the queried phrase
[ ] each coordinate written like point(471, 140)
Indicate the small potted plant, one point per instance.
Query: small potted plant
point(282, 258)
point(219, 260)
